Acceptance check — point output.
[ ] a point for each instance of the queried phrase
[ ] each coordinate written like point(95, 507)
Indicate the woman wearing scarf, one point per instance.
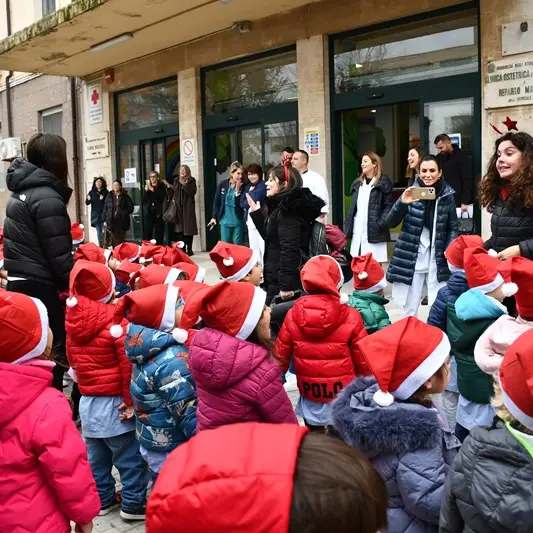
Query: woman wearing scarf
point(184, 192)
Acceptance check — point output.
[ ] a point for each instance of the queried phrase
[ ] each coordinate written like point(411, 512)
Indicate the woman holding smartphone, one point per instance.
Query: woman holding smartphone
point(429, 217)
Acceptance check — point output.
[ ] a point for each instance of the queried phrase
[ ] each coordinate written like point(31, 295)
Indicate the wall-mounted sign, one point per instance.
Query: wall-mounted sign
point(130, 176)
point(95, 104)
point(312, 141)
point(455, 138)
point(188, 152)
point(97, 146)
point(509, 83)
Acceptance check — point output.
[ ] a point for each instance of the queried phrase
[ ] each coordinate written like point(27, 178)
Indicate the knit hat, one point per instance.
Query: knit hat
point(456, 250)
point(323, 275)
point(76, 232)
point(170, 256)
point(403, 356)
point(153, 307)
point(516, 379)
point(91, 252)
point(156, 275)
point(519, 271)
point(127, 251)
point(229, 307)
point(195, 272)
point(92, 280)
point(126, 271)
point(234, 262)
point(368, 274)
point(483, 272)
point(24, 327)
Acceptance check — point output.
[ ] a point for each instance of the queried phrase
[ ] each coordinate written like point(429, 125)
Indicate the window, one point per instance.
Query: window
point(49, 6)
point(52, 120)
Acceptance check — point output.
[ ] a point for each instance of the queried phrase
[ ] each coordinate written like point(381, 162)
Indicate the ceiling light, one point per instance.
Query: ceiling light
point(112, 42)
point(373, 110)
point(242, 26)
point(358, 65)
point(225, 1)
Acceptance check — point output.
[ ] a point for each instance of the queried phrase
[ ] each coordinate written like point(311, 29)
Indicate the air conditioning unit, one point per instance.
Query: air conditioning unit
point(10, 148)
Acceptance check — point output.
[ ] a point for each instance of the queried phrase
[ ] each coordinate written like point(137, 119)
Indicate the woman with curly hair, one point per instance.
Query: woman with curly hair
point(506, 191)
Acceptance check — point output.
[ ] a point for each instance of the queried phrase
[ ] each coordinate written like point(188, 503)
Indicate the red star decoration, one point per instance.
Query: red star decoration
point(511, 124)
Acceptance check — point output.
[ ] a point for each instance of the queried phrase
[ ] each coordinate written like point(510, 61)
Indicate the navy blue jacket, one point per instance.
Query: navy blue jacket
point(403, 261)
point(438, 315)
point(258, 194)
point(219, 203)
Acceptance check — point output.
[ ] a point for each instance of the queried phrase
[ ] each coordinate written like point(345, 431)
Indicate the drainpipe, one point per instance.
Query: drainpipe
point(75, 150)
point(8, 77)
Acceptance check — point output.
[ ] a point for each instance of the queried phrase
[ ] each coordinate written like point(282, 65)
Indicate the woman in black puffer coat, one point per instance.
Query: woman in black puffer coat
point(38, 244)
point(117, 210)
point(286, 228)
point(429, 226)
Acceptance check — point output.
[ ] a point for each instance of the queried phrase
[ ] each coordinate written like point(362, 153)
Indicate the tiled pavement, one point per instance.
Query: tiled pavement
point(112, 522)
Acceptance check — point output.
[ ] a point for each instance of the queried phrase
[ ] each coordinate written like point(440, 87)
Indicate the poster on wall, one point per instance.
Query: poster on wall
point(96, 106)
point(188, 152)
point(456, 139)
point(130, 178)
point(312, 141)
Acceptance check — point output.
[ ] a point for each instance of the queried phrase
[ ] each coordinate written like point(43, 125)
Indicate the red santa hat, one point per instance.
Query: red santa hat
point(483, 272)
point(170, 256)
point(92, 280)
point(76, 232)
point(229, 307)
point(188, 288)
point(516, 379)
point(195, 272)
point(153, 307)
point(519, 271)
point(91, 252)
point(403, 357)
point(368, 274)
point(126, 271)
point(156, 275)
point(149, 249)
point(24, 327)
point(456, 250)
point(127, 251)
point(234, 262)
point(323, 275)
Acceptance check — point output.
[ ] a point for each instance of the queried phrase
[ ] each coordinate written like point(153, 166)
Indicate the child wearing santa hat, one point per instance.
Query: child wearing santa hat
point(438, 314)
point(236, 263)
point(92, 252)
point(492, 345)
point(238, 379)
point(77, 234)
point(489, 488)
point(473, 312)
point(103, 372)
point(230, 475)
point(46, 478)
point(392, 420)
point(162, 390)
point(320, 332)
point(369, 295)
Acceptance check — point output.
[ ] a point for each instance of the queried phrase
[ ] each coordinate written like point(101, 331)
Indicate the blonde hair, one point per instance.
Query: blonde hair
point(376, 160)
point(501, 410)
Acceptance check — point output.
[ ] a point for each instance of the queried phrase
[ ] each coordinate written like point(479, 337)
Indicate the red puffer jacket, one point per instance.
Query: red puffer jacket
point(321, 334)
point(100, 361)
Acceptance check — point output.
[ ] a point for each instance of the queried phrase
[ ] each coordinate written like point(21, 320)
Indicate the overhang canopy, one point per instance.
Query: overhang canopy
point(64, 43)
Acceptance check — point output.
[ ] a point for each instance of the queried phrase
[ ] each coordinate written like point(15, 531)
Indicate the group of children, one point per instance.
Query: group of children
point(160, 357)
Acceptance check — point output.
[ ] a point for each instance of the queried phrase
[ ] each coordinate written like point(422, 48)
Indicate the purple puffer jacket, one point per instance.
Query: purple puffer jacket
point(236, 382)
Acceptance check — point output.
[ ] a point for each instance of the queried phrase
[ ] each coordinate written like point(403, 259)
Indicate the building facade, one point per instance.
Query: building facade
point(208, 83)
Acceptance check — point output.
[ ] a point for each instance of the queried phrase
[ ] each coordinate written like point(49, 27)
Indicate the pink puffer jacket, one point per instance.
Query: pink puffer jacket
point(45, 478)
point(236, 382)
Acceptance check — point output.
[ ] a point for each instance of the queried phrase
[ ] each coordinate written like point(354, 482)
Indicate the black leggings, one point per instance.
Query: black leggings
point(47, 293)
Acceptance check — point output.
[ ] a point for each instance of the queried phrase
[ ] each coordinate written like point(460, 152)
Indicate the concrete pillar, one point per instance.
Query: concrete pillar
point(190, 120)
point(314, 100)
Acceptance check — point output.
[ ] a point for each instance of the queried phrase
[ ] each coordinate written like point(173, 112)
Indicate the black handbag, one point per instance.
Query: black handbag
point(170, 214)
point(466, 225)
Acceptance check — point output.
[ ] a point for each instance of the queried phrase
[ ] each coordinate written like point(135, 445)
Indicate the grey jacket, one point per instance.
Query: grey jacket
point(408, 444)
point(490, 487)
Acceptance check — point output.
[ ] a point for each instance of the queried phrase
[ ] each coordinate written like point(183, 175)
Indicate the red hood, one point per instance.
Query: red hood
point(87, 319)
point(227, 476)
point(19, 387)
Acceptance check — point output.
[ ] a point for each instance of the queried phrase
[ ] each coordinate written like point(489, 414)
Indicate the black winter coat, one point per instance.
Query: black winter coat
point(490, 486)
point(38, 244)
point(379, 206)
point(511, 225)
point(153, 201)
point(286, 229)
point(457, 172)
point(125, 209)
point(403, 261)
point(97, 205)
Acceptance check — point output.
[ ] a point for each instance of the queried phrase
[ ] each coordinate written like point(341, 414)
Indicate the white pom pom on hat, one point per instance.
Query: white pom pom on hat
point(363, 275)
point(153, 241)
point(383, 399)
point(180, 335)
point(72, 302)
point(493, 253)
point(116, 331)
point(180, 244)
point(509, 289)
point(344, 298)
point(229, 261)
point(81, 226)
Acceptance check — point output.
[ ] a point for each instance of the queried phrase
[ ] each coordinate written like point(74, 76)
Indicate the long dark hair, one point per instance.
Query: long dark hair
point(49, 152)
point(102, 179)
point(521, 185)
point(288, 175)
point(411, 172)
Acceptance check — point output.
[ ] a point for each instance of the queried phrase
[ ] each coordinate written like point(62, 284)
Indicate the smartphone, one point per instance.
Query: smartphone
point(423, 193)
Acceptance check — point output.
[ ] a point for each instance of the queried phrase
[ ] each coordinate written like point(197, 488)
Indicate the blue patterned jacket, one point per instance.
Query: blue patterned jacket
point(162, 389)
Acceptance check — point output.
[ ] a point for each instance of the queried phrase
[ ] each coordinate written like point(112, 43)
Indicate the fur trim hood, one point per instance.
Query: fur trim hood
point(400, 428)
point(301, 203)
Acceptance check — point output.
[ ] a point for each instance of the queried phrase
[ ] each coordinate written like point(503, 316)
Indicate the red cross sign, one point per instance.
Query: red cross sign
point(95, 96)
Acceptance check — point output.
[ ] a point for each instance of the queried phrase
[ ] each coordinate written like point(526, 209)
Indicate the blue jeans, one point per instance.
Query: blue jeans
point(232, 234)
point(98, 228)
point(123, 452)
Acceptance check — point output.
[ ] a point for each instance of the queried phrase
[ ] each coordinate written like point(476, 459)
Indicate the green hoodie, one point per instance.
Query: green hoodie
point(371, 307)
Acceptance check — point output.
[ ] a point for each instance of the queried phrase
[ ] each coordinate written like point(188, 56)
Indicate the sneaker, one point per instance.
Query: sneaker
point(106, 509)
point(134, 513)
